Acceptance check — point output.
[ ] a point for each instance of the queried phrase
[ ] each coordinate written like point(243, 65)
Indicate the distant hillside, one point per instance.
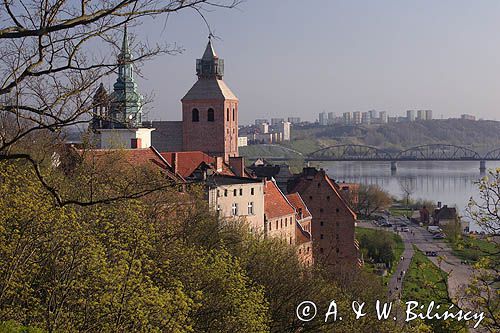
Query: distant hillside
point(479, 135)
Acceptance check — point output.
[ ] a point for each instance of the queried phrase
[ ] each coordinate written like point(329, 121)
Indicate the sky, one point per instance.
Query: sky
point(298, 58)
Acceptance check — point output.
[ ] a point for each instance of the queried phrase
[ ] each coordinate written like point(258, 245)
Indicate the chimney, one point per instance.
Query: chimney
point(439, 204)
point(175, 162)
point(237, 164)
point(135, 143)
point(218, 163)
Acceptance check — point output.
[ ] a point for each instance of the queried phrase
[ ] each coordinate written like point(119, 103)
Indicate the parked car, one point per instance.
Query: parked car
point(431, 253)
point(405, 229)
point(439, 236)
point(434, 229)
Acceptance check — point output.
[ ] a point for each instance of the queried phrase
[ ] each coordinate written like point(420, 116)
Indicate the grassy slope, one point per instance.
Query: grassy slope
point(398, 250)
point(472, 249)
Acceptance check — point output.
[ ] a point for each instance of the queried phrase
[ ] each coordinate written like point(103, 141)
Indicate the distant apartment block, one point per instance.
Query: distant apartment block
point(383, 117)
point(365, 118)
point(260, 121)
point(284, 128)
point(347, 117)
point(373, 114)
point(421, 115)
point(356, 117)
point(242, 141)
point(428, 114)
point(264, 128)
point(410, 115)
point(276, 121)
point(294, 120)
point(467, 117)
point(322, 118)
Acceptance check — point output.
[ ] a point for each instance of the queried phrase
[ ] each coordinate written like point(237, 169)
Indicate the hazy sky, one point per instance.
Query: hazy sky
point(298, 58)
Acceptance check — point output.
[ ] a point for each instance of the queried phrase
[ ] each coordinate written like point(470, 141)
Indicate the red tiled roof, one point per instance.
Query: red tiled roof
point(131, 157)
point(275, 202)
point(189, 161)
point(296, 200)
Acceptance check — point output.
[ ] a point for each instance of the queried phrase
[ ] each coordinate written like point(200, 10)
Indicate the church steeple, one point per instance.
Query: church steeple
point(126, 102)
point(210, 66)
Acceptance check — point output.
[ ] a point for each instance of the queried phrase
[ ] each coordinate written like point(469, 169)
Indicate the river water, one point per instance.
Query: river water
point(452, 183)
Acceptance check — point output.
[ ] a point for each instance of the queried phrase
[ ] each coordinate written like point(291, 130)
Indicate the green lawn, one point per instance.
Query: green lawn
point(425, 282)
point(472, 249)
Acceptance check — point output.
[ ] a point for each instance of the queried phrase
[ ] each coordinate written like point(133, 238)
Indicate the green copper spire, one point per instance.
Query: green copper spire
point(126, 102)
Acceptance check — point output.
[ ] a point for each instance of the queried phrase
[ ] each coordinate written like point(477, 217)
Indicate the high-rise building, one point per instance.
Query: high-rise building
point(365, 118)
point(323, 120)
point(421, 115)
point(428, 114)
point(383, 117)
point(260, 121)
point(264, 128)
point(373, 114)
point(284, 128)
point(347, 118)
point(410, 115)
point(210, 110)
point(294, 120)
point(468, 117)
point(276, 121)
point(356, 117)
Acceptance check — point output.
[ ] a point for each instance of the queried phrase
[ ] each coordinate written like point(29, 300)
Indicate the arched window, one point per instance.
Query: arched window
point(234, 115)
point(210, 115)
point(227, 114)
point(196, 115)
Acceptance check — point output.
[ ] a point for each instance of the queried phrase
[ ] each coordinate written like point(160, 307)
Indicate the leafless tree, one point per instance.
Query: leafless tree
point(407, 186)
point(49, 67)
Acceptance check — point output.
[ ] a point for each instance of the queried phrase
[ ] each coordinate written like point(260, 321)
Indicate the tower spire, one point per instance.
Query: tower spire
point(210, 66)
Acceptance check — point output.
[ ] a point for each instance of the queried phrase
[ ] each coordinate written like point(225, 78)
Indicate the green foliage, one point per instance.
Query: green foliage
point(379, 246)
point(13, 327)
point(425, 282)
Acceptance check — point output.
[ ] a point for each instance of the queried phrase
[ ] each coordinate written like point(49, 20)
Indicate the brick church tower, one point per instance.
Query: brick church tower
point(210, 110)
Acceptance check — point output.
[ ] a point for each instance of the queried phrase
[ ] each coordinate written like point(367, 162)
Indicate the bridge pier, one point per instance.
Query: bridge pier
point(482, 166)
point(394, 166)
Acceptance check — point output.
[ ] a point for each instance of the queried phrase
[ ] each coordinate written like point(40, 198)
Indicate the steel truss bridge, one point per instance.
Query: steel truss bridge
point(432, 152)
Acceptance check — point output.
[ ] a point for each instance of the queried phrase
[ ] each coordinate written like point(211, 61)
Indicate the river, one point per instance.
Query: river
point(451, 183)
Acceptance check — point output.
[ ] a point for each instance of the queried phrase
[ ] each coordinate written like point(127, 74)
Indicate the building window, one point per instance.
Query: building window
point(290, 240)
point(227, 114)
point(270, 225)
point(321, 250)
point(234, 115)
point(300, 251)
point(235, 192)
point(310, 197)
point(337, 250)
point(218, 193)
point(321, 210)
point(281, 226)
point(308, 249)
point(234, 209)
point(337, 210)
point(225, 193)
point(321, 223)
point(337, 224)
point(319, 184)
point(195, 115)
point(276, 225)
point(252, 191)
point(328, 198)
point(210, 115)
point(337, 236)
point(286, 221)
point(241, 191)
point(250, 208)
point(322, 236)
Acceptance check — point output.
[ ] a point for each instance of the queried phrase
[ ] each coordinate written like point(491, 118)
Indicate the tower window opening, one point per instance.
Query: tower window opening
point(227, 114)
point(210, 115)
point(195, 115)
